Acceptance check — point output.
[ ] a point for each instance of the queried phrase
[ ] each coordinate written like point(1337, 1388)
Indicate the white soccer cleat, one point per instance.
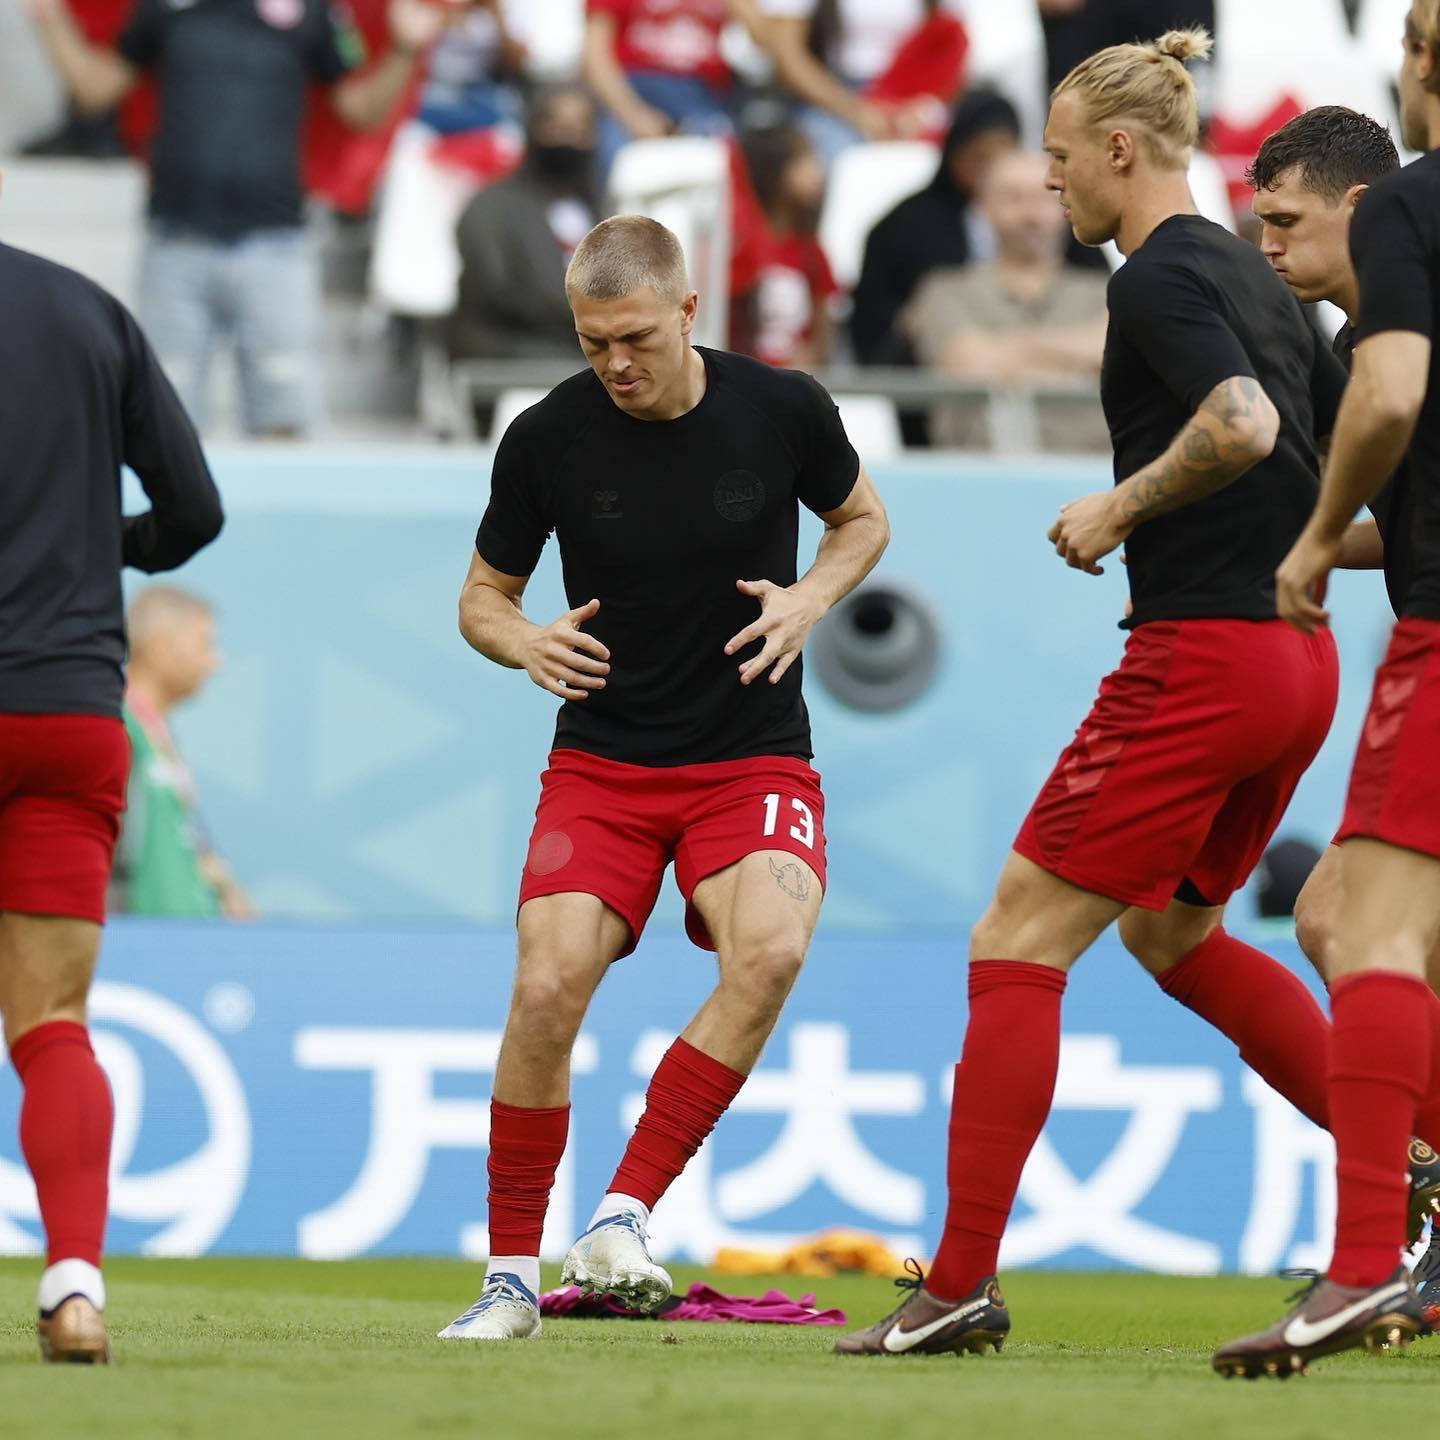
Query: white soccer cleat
point(611, 1258)
point(506, 1310)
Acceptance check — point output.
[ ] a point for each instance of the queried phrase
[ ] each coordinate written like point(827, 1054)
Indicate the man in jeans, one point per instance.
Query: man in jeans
point(227, 254)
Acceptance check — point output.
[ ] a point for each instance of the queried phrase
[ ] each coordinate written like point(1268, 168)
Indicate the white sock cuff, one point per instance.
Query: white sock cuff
point(526, 1268)
point(614, 1202)
point(71, 1277)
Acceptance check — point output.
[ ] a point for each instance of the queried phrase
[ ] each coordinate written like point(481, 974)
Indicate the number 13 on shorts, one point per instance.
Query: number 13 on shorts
point(804, 832)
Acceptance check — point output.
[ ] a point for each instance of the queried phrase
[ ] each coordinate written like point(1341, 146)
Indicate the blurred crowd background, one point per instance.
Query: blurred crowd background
point(347, 224)
point(351, 221)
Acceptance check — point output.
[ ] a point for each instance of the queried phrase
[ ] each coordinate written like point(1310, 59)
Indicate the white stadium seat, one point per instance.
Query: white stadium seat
point(866, 183)
point(684, 182)
point(872, 424)
point(509, 404)
point(415, 264)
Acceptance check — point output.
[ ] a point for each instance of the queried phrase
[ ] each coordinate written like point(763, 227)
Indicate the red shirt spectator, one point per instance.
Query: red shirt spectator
point(675, 37)
point(792, 301)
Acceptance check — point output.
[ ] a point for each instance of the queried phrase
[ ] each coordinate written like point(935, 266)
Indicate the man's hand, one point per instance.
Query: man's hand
point(415, 25)
point(562, 659)
point(1300, 581)
point(786, 619)
point(1089, 529)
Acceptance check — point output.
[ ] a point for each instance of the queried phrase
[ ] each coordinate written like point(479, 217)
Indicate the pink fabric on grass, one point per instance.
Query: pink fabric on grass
point(701, 1302)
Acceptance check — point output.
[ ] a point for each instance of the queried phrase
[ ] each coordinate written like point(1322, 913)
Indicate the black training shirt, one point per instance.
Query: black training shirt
point(1395, 244)
point(658, 519)
point(1386, 503)
point(1192, 307)
point(83, 394)
point(232, 76)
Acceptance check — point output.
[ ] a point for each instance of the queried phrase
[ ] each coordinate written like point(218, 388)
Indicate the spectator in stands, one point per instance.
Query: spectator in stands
point(470, 82)
point(165, 863)
point(867, 69)
point(1077, 28)
point(1023, 318)
point(656, 67)
point(784, 319)
point(227, 255)
point(516, 238)
point(931, 229)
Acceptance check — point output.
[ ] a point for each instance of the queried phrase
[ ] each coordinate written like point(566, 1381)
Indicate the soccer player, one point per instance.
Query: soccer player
point(672, 477)
point(1213, 385)
point(1385, 1048)
point(84, 395)
point(1308, 178)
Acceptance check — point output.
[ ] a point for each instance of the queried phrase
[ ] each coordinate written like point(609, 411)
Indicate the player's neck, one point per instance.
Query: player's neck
point(152, 696)
point(1167, 196)
point(686, 393)
point(1347, 297)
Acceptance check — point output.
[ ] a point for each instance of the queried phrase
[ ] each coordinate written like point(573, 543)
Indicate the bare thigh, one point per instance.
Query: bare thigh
point(46, 965)
point(1036, 917)
point(1389, 912)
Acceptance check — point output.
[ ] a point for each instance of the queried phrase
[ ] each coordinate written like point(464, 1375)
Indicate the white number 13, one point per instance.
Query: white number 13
point(804, 832)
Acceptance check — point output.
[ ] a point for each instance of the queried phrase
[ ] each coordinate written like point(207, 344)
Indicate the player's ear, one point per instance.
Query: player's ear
point(688, 308)
point(1352, 196)
point(1120, 147)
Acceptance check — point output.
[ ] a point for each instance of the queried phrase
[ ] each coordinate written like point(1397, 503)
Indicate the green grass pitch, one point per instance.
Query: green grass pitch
point(279, 1349)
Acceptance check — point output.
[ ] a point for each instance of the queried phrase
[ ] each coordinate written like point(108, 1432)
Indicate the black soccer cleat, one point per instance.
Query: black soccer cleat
point(923, 1324)
point(1424, 1168)
point(1328, 1319)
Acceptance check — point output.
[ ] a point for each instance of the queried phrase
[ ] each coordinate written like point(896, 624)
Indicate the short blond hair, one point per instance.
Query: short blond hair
point(1148, 83)
point(157, 609)
point(627, 253)
point(1429, 22)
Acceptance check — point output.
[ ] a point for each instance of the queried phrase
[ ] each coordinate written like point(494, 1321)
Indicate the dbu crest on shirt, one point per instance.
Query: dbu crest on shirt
point(739, 495)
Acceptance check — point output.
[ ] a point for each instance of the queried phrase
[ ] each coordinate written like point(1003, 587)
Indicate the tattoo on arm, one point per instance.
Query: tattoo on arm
point(1217, 446)
point(792, 879)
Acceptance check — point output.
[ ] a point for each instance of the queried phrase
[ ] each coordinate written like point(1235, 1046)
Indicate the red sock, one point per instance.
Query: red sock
point(1427, 1114)
point(1003, 1087)
point(525, 1150)
point(1281, 1032)
point(1379, 1063)
point(66, 1118)
point(688, 1093)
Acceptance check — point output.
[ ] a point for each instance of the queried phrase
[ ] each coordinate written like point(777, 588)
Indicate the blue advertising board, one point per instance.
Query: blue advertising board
point(323, 1091)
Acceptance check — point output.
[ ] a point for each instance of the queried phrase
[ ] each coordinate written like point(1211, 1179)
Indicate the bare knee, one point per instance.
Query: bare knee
point(1161, 940)
point(763, 969)
point(548, 1004)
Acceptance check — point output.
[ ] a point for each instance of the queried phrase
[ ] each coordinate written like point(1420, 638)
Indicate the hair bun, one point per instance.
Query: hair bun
point(1195, 43)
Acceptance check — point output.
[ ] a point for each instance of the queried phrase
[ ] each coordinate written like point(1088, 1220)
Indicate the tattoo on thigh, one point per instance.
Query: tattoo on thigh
point(792, 879)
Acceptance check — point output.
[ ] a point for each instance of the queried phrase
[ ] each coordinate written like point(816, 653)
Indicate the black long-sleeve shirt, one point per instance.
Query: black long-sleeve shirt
point(81, 395)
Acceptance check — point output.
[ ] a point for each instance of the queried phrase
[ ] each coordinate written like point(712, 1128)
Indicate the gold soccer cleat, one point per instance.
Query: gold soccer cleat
point(74, 1333)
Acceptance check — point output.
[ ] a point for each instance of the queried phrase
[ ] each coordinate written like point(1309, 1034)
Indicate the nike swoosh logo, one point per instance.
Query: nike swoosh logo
point(897, 1341)
point(1301, 1332)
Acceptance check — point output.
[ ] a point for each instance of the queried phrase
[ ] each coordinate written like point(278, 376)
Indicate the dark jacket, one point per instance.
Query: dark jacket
point(512, 279)
point(919, 235)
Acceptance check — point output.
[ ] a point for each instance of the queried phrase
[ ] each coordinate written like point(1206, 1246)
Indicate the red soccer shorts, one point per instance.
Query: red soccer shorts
point(1395, 785)
point(609, 829)
point(1185, 765)
point(62, 792)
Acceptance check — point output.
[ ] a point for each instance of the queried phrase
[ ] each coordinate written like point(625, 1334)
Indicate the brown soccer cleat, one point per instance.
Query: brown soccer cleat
point(73, 1333)
point(926, 1325)
point(1329, 1318)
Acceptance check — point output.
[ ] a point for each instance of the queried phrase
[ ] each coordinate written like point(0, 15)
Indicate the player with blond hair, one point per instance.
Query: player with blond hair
point(1214, 386)
point(672, 478)
point(1385, 1051)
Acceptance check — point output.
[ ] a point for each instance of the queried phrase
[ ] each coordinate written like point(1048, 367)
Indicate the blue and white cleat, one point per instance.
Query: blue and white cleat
point(506, 1310)
point(612, 1258)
